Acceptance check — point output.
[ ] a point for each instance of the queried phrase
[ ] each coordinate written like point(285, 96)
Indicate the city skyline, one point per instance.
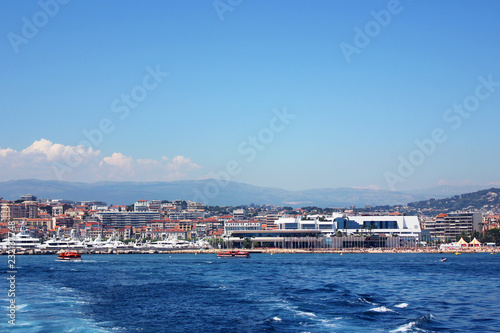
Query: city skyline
point(394, 95)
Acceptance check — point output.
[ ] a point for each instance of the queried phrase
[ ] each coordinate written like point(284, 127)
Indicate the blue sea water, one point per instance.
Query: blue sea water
point(264, 293)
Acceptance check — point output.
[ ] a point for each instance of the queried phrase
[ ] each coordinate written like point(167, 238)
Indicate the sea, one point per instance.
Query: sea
point(263, 293)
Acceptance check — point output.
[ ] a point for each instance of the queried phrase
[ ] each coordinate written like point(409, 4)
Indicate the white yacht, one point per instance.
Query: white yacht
point(20, 241)
point(171, 243)
point(114, 243)
point(63, 243)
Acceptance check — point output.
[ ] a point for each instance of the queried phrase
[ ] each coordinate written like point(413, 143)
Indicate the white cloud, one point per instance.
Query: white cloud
point(118, 160)
point(46, 160)
point(5, 152)
point(58, 152)
point(121, 167)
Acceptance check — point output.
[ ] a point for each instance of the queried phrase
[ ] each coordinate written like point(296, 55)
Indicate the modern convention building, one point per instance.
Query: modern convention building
point(335, 231)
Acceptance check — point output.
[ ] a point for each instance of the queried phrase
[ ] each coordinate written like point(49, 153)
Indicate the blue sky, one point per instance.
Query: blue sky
point(232, 66)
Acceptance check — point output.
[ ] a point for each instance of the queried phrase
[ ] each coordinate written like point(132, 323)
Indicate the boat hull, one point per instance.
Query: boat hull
point(69, 259)
point(69, 256)
point(233, 254)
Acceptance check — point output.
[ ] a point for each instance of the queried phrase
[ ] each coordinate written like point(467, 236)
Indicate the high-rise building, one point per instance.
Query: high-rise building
point(122, 219)
point(449, 226)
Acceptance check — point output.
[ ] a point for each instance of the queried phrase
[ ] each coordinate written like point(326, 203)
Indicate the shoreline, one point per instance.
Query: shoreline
point(271, 251)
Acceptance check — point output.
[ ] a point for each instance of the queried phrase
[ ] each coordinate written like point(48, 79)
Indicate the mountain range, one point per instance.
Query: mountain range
point(218, 193)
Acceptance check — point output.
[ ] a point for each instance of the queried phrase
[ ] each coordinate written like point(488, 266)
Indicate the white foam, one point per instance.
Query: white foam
point(405, 327)
point(308, 314)
point(327, 323)
point(382, 309)
point(401, 305)
point(276, 319)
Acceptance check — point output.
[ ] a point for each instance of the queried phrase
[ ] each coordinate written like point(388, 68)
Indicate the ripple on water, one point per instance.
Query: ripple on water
point(286, 293)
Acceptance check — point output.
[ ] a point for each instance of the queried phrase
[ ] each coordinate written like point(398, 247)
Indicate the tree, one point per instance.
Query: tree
point(247, 243)
point(492, 236)
point(463, 235)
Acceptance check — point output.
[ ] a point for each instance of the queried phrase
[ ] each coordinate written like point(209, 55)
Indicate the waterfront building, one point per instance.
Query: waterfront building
point(321, 231)
point(122, 219)
point(406, 226)
point(449, 226)
point(240, 225)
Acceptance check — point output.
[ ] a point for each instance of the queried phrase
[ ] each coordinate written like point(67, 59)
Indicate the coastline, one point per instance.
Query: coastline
point(270, 251)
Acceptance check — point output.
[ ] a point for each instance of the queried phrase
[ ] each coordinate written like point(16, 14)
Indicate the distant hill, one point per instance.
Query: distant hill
point(232, 194)
point(445, 191)
point(208, 191)
point(480, 200)
point(483, 200)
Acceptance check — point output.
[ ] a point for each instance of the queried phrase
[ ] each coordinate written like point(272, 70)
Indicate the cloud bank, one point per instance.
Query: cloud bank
point(46, 160)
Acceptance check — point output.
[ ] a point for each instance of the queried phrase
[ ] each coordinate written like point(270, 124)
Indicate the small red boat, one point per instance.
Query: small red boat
point(68, 255)
point(233, 254)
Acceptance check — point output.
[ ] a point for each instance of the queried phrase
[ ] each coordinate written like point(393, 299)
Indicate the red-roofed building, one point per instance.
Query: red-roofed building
point(41, 223)
point(64, 221)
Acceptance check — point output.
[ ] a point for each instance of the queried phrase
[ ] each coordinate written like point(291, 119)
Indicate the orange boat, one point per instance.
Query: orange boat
point(233, 254)
point(68, 255)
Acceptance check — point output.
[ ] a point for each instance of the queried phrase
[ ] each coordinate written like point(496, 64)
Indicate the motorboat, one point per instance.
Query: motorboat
point(69, 256)
point(233, 254)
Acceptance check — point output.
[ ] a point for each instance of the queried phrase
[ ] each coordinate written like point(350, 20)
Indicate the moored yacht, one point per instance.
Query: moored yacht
point(20, 240)
point(63, 243)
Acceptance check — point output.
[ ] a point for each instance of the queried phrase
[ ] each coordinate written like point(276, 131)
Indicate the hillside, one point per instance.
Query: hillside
point(206, 191)
point(484, 200)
